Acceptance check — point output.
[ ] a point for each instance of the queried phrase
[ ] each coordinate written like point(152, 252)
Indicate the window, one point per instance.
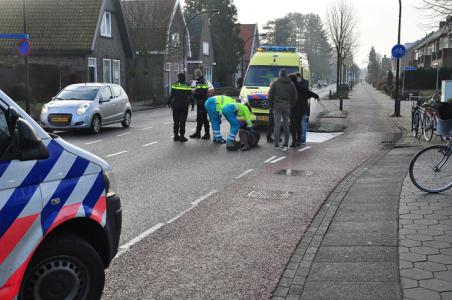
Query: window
point(117, 91)
point(107, 70)
point(168, 67)
point(205, 48)
point(4, 133)
point(263, 75)
point(208, 73)
point(92, 69)
point(175, 39)
point(116, 71)
point(105, 27)
point(106, 93)
point(177, 69)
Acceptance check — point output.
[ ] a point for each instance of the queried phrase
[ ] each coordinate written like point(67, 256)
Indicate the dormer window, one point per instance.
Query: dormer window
point(105, 27)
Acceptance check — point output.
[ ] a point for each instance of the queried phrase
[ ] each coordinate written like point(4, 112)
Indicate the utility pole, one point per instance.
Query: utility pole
point(27, 65)
point(397, 100)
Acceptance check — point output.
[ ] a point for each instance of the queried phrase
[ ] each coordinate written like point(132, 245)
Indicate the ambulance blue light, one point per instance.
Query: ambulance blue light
point(278, 49)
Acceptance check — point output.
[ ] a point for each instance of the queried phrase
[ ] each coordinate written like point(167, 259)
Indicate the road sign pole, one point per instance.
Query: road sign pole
point(403, 83)
point(397, 100)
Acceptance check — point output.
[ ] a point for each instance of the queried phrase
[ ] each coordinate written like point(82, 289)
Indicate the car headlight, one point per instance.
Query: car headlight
point(45, 109)
point(82, 109)
point(110, 183)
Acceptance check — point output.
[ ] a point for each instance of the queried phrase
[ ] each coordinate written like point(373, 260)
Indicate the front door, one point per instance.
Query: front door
point(107, 105)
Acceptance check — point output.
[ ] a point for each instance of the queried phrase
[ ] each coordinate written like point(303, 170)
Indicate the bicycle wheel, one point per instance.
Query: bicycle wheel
point(428, 127)
point(415, 124)
point(431, 169)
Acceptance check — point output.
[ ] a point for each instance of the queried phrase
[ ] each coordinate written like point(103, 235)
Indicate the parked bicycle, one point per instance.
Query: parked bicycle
point(424, 117)
point(431, 168)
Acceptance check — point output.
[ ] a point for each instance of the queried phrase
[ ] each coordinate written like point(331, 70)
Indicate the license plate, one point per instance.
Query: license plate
point(262, 118)
point(61, 119)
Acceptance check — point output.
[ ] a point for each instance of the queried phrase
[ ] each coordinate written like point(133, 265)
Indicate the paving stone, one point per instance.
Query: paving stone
point(421, 294)
point(293, 297)
point(445, 222)
point(299, 280)
point(446, 276)
point(357, 216)
point(441, 258)
point(361, 239)
point(292, 266)
point(446, 296)
point(363, 227)
point(416, 226)
point(413, 257)
point(436, 285)
point(405, 221)
point(410, 243)
point(351, 290)
point(354, 271)
point(411, 217)
point(289, 273)
point(403, 264)
point(444, 238)
point(296, 289)
point(285, 282)
point(424, 250)
point(436, 217)
point(430, 266)
point(436, 244)
point(356, 254)
point(419, 237)
point(425, 221)
point(281, 292)
point(302, 272)
point(447, 251)
point(408, 231)
point(404, 249)
point(431, 232)
point(416, 274)
point(408, 283)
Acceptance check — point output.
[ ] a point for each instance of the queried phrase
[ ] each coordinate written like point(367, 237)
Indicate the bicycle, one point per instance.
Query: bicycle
point(431, 169)
point(430, 117)
point(417, 121)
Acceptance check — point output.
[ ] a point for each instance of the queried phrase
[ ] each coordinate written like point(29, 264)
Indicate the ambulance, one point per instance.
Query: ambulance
point(60, 218)
point(264, 67)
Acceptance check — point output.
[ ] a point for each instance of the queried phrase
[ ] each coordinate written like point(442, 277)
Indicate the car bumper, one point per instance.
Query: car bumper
point(77, 122)
point(113, 224)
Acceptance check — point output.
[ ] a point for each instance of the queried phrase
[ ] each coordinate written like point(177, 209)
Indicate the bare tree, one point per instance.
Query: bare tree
point(341, 28)
point(437, 9)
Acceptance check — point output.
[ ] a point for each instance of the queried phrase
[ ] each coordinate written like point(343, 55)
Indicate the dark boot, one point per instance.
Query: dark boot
point(176, 138)
point(206, 136)
point(182, 139)
point(196, 135)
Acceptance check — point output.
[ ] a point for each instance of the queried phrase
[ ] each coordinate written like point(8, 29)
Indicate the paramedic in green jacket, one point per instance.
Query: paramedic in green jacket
point(232, 112)
point(214, 106)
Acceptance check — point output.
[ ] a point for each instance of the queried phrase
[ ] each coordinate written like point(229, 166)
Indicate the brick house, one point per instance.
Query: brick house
point(73, 41)
point(249, 33)
point(202, 55)
point(156, 28)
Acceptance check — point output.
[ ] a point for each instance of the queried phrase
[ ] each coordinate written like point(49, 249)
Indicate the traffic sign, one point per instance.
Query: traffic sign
point(410, 68)
point(398, 51)
point(24, 48)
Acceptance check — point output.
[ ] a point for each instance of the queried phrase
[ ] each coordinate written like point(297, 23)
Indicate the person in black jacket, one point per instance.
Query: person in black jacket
point(180, 99)
point(201, 94)
point(300, 111)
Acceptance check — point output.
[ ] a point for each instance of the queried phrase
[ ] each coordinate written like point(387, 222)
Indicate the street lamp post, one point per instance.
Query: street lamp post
point(397, 100)
point(27, 66)
point(186, 28)
point(263, 35)
point(437, 76)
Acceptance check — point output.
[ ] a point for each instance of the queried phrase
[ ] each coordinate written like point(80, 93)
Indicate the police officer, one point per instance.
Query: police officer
point(181, 97)
point(201, 89)
point(214, 107)
point(232, 112)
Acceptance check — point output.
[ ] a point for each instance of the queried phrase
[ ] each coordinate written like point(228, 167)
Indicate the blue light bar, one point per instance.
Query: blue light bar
point(278, 49)
point(15, 36)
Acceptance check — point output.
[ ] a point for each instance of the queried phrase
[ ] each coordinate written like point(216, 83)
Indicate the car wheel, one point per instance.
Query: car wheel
point(127, 120)
point(64, 268)
point(96, 124)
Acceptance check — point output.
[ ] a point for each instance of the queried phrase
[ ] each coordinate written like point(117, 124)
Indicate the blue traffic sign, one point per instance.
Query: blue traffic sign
point(410, 68)
point(24, 48)
point(398, 51)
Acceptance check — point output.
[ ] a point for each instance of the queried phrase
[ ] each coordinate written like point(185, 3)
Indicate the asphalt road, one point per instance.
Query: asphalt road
point(158, 179)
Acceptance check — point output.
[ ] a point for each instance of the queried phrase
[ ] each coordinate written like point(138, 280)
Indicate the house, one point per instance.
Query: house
point(249, 33)
point(74, 41)
point(202, 55)
point(156, 29)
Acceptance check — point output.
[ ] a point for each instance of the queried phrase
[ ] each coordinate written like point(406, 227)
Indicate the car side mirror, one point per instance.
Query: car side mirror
point(27, 144)
point(12, 117)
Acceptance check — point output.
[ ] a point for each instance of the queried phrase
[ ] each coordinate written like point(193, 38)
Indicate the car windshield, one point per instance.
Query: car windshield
point(263, 75)
point(82, 93)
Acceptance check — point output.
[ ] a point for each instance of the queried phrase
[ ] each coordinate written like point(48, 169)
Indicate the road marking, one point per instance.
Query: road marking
point(153, 143)
point(270, 159)
point(95, 142)
point(124, 248)
point(278, 159)
point(116, 154)
point(304, 149)
point(123, 134)
point(180, 215)
point(244, 173)
point(321, 137)
point(196, 202)
point(168, 123)
point(147, 128)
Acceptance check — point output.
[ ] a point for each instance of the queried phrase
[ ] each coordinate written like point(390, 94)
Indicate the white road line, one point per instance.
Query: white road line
point(196, 202)
point(95, 142)
point(244, 173)
point(278, 159)
point(147, 128)
point(304, 149)
point(124, 248)
point(116, 154)
point(180, 215)
point(270, 159)
point(153, 143)
point(123, 134)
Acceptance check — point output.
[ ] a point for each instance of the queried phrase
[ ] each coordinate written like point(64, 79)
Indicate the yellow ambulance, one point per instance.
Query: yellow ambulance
point(263, 69)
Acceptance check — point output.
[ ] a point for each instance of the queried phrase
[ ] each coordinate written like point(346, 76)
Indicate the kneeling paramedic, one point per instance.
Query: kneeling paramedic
point(232, 112)
point(181, 97)
point(214, 107)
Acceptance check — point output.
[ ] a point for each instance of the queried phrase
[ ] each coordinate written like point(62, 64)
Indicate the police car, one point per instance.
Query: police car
point(60, 219)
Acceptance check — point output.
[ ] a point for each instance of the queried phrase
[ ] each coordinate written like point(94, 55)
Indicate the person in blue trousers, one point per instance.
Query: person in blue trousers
point(214, 107)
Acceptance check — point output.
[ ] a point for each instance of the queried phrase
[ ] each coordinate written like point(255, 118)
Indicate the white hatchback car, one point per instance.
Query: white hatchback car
point(87, 106)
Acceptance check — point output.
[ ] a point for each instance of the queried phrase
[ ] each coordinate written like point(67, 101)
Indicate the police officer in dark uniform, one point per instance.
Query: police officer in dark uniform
point(201, 95)
point(180, 99)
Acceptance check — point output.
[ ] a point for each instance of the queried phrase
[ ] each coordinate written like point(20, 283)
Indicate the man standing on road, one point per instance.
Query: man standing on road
point(214, 107)
point(282, 97)
point(300, 111)
point(201, 90)
point(181, 97)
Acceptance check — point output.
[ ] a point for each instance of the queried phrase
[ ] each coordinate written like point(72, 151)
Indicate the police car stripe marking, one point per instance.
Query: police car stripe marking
point(3, 167)
point(11, 178)
point(78, 168)
point(61, 168)
point(93, 195)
